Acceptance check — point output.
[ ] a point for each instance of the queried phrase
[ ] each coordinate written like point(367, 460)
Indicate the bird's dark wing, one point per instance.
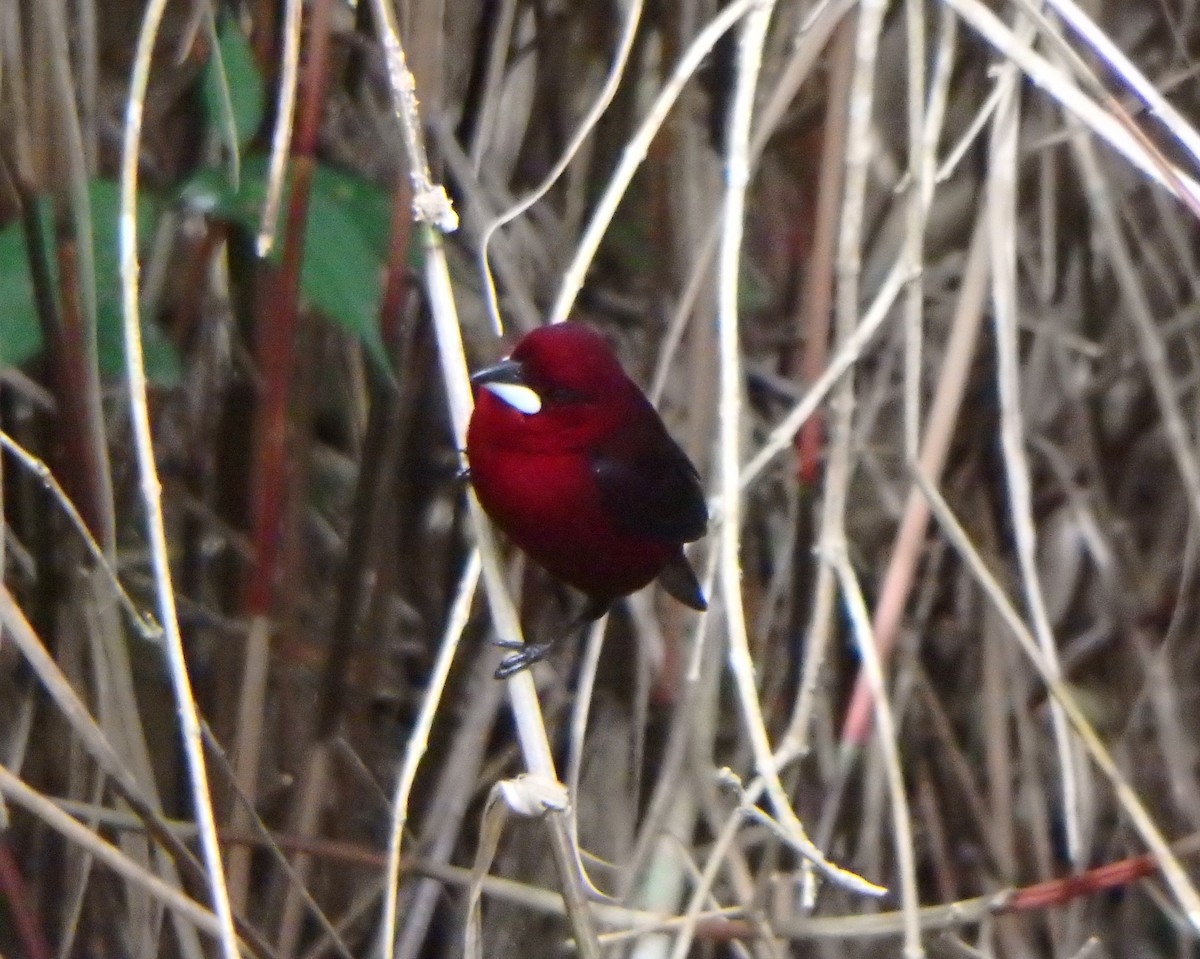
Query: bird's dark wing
point(651, 488)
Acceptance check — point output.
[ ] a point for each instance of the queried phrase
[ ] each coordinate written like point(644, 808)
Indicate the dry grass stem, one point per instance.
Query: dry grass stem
point(875, 264)
point(152, 490)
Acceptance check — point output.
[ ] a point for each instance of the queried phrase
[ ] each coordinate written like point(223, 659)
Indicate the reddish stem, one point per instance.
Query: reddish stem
point(278, 328)
point(80, 461)
point(15, 891)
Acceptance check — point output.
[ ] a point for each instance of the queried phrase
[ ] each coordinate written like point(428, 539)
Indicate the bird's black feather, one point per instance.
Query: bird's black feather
point(652, 488)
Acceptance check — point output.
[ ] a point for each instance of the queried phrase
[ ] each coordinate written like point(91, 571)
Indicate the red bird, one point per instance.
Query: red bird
point(570, 459)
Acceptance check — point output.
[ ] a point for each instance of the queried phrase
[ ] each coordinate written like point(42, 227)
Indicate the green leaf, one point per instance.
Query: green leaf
point(162, 362)
point(344, 254)
point(345, 246)
point(365, 205)
point(233, 87)
point(210, 192)
point(163, 367)
point(20, 332)
point(20, 327)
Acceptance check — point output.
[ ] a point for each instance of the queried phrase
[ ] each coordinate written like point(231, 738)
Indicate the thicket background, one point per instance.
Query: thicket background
point(938, 367)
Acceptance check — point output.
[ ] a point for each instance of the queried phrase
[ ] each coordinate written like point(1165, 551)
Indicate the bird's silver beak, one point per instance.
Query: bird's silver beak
point(506, 371)
point(505, 380)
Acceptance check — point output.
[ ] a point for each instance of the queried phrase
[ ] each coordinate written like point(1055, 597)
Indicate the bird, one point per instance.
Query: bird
point(570, 459)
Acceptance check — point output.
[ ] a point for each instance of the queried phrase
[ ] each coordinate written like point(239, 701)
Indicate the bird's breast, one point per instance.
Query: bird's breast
point(550, 506)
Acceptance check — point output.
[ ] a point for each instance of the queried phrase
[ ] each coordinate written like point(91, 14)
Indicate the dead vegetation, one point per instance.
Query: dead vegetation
point(913, 283)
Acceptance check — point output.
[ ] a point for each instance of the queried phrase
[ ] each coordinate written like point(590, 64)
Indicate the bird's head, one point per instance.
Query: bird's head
point(561, 383)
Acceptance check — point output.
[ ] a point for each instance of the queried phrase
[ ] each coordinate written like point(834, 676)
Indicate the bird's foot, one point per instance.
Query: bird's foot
point(463, 474)
point(527, 654)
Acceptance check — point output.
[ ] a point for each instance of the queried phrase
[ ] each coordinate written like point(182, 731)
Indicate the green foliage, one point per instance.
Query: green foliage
point(20, 328)
point(346, 241)
point(233, 89)
point(20, 334)
point(162, 361)
point(349, 219)
point(346, 245)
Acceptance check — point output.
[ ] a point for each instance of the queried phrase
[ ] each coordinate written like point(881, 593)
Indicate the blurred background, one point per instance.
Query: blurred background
point(948, 273)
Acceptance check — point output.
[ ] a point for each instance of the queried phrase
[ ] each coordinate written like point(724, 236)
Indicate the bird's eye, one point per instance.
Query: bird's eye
point(562, 395)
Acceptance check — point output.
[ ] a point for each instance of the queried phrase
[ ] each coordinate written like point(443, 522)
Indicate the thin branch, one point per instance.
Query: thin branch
point(418, 739)
point(74, 831)
point(1173, 871)
point(151, 488)
point(635, 152)
point(609, 90)
point(531, 730)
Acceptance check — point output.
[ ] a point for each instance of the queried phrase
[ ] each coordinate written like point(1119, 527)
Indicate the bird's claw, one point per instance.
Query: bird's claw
point(463, 474)
point(528, 655)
